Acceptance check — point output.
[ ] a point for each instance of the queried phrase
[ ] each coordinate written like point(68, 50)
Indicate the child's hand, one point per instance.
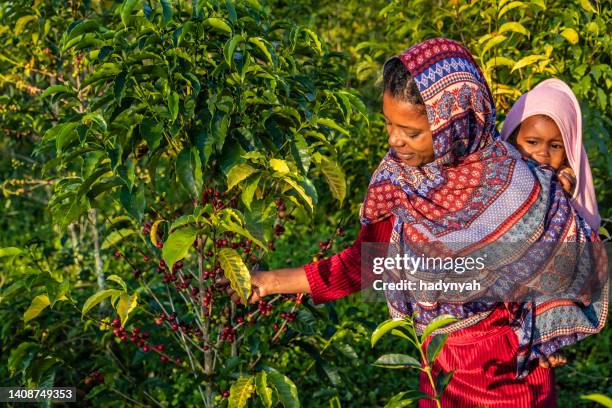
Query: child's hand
point(568, 179)
point(554, 360)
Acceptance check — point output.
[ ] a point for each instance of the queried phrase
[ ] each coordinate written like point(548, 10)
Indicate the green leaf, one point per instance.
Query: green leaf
point(437, 323)
point(117, 279)
point(116, 236)
point(386, 327)
point(315, 39)
point(587, 6)
point(173, 105)
point(21, 356)
point(287, 391)
point(21, 23)
point(514, 27)
point(240, 392)
point(435, 347)
point(134, 203)
point(397, 361)
point(300, 152)
point(236, 272)
point(96, 298)
point(178, 244)
point(332, 124)
point(279, 166)
point(492, 43)
point(496, 61)
point(39, 303)
point(230, 47)
point(335, 177)
point(239, 173)
point(530, 59)
point(510, 6)
point(65, 135)
point(125, 305)
point(249, 191)
point(405, 399)
point(263, 391)
point(55, 89)
point(570, 35)
point(260, 43)
point(442, 381)
point(151, 131)
point(10, 251)
point(300, 191)
point(219, 24)
point(127, 9)
point(189, 171)
point(599, 398)
point(166, 10)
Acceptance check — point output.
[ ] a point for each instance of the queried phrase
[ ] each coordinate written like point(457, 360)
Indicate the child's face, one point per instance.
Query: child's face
point(540, 139)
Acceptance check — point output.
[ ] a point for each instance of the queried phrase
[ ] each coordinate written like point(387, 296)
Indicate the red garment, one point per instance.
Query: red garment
point(483, 355)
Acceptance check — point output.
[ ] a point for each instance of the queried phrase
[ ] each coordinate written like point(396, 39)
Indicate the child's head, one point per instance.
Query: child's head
point(539, 138)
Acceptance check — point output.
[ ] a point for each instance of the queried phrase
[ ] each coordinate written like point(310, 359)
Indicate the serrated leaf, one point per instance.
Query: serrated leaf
point(437, 323)
point(397, 361)
point(117, 279)
point(335, 177)
point(116, 236)
point(435, 347)
point(263, 391)
point(178, 244)
point(236, 272)
point(125, 305)
point(287, 391)
point(39, 303)
point(98, 297)
point(238, 173)
point(386, 327)
point(240, 392)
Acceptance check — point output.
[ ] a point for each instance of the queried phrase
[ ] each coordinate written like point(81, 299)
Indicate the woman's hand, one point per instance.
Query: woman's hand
point(285, 281)
point(258, 287)
point(552, 361)
point(567, 178)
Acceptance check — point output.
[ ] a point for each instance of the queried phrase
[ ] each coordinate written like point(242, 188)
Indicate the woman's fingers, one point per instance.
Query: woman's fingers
point(554, 360)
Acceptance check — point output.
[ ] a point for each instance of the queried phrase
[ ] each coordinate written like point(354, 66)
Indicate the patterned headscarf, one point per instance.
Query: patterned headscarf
point(478, 191)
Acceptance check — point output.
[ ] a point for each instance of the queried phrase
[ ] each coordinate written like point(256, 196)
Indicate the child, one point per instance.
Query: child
point(545, 125)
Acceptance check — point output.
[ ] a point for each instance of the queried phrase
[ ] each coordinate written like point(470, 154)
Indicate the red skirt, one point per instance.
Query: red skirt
point(484, 359)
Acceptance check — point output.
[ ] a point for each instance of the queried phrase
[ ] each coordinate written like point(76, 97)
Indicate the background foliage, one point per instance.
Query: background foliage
point(115, 115)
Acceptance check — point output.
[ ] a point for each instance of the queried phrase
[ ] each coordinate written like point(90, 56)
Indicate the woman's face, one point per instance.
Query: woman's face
point(409, 132)
point(540, 139)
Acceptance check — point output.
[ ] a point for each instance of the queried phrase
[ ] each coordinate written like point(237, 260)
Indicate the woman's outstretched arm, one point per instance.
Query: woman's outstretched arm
point(326, 280)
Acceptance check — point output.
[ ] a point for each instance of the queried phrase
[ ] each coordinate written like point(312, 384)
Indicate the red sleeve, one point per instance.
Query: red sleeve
point(340, 274)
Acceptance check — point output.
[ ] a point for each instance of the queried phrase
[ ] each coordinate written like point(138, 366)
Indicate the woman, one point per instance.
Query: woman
point(448, 176)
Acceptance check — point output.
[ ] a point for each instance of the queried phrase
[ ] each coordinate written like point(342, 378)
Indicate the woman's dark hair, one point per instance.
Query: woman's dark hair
point(399, 83)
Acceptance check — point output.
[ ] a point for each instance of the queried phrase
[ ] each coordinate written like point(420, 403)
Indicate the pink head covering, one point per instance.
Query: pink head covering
point(556, 100)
